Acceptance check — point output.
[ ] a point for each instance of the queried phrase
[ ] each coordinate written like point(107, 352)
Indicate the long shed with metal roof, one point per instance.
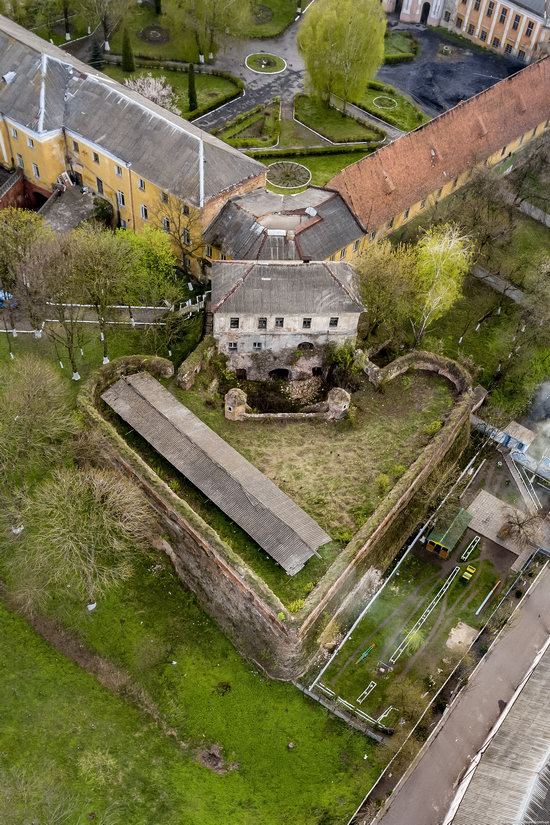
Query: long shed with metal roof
point(272, 519)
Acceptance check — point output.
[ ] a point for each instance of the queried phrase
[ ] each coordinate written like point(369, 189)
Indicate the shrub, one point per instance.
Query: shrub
point(397, 470)
point(296, 605)
point(128, 62)
point(433, 427)
point(383, 484)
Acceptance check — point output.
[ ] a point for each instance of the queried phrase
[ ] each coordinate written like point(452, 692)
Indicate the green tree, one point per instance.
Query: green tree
point(153, 263)
point(102, 267)
point(386, 285)
point(210, 20)
point(443, 257)
point(342, 43)
point(191, 90)
point(96, 59)
point(128, 62)
point(82, 528)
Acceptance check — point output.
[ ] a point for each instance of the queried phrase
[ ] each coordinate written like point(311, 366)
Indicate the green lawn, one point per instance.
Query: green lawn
point(399, 46)
point(265, 63)
point(211, 89)
point(58, 717)
point(403, 114)
point(514, 257)
point(258, 127)
point(322, 167)
point(330, 123)
point(181, 44)
point(270, 18)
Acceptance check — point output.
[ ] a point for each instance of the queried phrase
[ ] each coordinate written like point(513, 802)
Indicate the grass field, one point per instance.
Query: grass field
point(270, 18)
point(399, 46)
point(401, 111)
point(330, 123)
point(211, 90)
point(61, 722)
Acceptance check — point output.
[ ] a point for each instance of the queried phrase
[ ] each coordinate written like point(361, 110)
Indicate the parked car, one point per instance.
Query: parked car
point(468, 573)
point(7, 300)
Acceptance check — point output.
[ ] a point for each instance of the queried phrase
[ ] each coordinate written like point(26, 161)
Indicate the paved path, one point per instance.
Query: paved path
point(499, 284)
point(426, 795)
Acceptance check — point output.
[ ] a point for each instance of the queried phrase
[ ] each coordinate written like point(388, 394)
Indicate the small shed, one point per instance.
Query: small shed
point(443, 540)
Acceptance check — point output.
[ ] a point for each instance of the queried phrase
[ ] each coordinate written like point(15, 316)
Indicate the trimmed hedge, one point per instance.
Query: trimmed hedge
point(398, 57)
point(346, 149)
point(246, 119)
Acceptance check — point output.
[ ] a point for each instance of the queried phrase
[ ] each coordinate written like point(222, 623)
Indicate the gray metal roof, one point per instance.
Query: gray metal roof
point(243, 227)
point(52, 89)
point(284, 287)
point(510, 784)
point(240, 490)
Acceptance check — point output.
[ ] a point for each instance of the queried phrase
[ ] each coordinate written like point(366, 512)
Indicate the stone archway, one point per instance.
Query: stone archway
point(280, 374)
point(425, 13)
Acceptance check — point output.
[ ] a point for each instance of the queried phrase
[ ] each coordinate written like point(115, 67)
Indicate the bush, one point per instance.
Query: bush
point(383, 484)
point(433, 427)
point(296, 605)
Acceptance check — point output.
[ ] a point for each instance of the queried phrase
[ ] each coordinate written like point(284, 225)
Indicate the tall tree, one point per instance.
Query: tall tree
point(153, 281)
point(342, 43)
point(108, 13)
point(191, 90)
point(211, 20)
point(443, 257)
point(128, 62)
point(96, 59)
point(102, 267)
point(386, 284)
point(20, 230)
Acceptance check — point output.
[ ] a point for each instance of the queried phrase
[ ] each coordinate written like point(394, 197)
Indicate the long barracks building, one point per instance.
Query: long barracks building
point(58, 115)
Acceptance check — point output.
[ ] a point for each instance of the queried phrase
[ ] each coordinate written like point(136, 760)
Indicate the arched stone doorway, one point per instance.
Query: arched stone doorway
point(425, 13)
point(280, 374)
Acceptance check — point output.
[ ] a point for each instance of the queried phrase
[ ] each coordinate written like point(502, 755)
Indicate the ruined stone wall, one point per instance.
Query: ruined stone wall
point(229, 591)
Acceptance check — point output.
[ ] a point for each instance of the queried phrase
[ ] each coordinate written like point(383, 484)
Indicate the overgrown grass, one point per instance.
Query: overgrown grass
point(332, 124)
point(204, 691)
point(403, 114)
point(399, 46)
point(276, 14)
point(181, 45)
point(211, 89)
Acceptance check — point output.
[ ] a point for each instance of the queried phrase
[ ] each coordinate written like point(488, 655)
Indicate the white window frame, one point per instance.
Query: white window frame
point(36, 171)
point(232, 346)
point(95, 157)
point(14, 132)
point(118, 170)
point(30, 143)
point(141, 184)
point(120, 199)
point(144, 212)
point(257, 345)
point(20, 161)
point(208, 251)
point(166, 224)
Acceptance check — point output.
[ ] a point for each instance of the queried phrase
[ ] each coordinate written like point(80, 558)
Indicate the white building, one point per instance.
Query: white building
point(266, 314)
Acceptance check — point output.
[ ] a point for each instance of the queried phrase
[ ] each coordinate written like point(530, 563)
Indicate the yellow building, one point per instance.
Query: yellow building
point(61, 119)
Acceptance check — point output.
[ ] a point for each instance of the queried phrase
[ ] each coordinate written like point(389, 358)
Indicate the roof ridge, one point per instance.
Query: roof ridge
point(237, 285)
point(342, 286)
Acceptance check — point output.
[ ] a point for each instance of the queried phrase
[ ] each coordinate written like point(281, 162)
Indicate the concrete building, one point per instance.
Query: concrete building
point(61, 119)
point(277, 318)
point(519, 29)
point(393, 185)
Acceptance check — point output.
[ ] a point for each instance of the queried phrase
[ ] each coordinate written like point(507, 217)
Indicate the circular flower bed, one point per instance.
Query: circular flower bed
point(385, 102)
point(265, 63)
point(263, 14)
point(287, 174)
point(154, 34)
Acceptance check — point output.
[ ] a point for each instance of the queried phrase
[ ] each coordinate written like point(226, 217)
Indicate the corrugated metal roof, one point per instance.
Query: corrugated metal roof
point(284, 287)
point(52, 89)
point(506, 781)
point(238, 488)
point(242, 227)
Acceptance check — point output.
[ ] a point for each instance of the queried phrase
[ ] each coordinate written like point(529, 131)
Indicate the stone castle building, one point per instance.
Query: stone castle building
point(519, 29)
point(276, 318)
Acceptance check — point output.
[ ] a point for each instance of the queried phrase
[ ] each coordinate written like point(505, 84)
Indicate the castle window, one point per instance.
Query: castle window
point(406, 214)
point(279, 323)
point(234, 323)
point(99, 186)
point(503, 13)
point(459, 22)
point(118, 171)
point(496, 42)
point(447, 16)
point(256, 345)
point(141, 184)
point(123, 224)
point(76, 147)
point(186, 236)
point(20, 161)
point(333, 322)
point(521, 54)
point(120, 199)
point(95, 157)
point(163, 197)
point(35, 170)
point(306, 323)
point(529, 29)
point(185, 209)
point(508, 48)
point(232, 346)
point(14, 133)
point(483, 35)
point(166, 224)
point(490, 9)
point(144, 212)
point(471, 28)
point(30, 143)
point(208, 251)
point(342, 253)
point(356, 246)
point(515, 24)
point(477, 4)
point(262, 323)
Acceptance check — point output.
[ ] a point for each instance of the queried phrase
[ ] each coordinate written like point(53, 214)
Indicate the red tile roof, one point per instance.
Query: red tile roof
point(386, 183)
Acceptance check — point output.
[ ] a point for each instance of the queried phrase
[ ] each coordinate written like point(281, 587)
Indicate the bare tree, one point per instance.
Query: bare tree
point(183, 224)
point(523, 528)
point(107, 12)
